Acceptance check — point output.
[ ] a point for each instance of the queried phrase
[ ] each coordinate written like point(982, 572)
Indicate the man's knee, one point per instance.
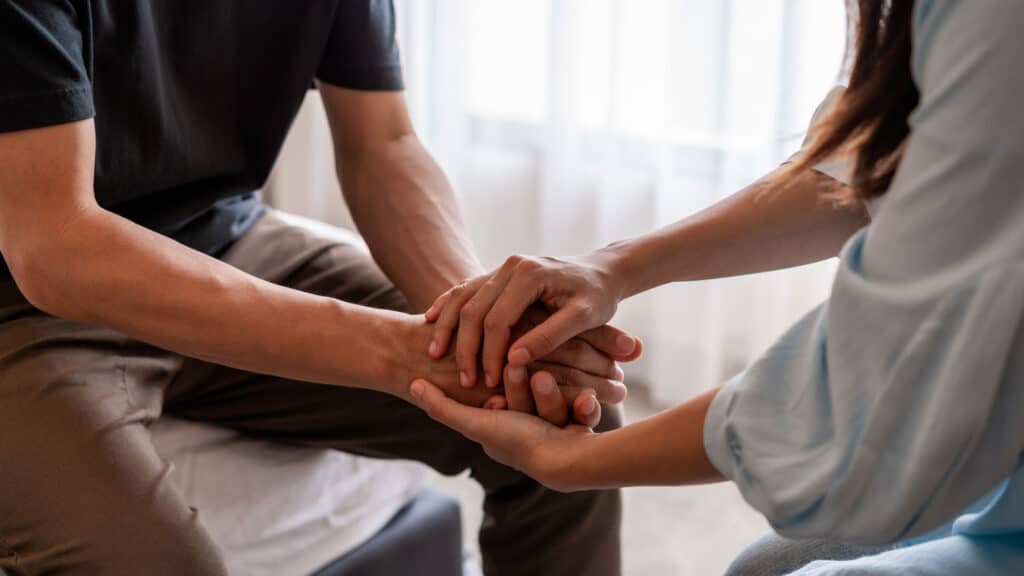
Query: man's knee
point(612, 417)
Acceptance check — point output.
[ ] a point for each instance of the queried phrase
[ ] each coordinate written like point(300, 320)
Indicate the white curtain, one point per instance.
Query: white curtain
point(566, 124)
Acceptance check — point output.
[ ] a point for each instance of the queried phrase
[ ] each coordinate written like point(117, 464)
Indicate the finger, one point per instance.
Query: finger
point(521, 291)
point(496, 403)
point(448, 318)
point(434, 311)
point(567, 322)
point(471, 326)
point(476, 424)
point(577, 353)
point(568, 378)
point(551, 406)
point(586, 410)
point(517, 390)
point(617, 344)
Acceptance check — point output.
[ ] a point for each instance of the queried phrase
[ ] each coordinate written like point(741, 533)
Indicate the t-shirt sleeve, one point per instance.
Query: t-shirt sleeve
point(362, 50)
point(44, 75)
point(891, 408)
point(838, 166)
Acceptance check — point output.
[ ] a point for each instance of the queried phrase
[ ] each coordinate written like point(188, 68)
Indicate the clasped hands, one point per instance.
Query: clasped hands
point(533, 335)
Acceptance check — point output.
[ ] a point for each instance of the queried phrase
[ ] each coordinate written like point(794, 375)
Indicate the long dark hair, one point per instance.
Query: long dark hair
point(869, 121)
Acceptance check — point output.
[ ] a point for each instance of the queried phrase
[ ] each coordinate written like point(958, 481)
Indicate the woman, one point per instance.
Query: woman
point(894, 406)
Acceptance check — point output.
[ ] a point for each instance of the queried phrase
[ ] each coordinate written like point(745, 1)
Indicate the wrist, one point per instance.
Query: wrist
point(617, 263)
point(406, 359)
point(579, 468)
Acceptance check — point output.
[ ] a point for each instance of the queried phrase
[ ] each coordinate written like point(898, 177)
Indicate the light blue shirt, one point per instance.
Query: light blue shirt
point(895, 405)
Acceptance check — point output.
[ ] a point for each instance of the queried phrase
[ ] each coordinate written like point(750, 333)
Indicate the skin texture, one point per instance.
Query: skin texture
point(783, 223)
point(74, 259)
point(665, 450)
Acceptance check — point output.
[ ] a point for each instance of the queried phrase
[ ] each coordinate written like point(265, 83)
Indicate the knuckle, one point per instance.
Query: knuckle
point(511, 262)
point(493, 322)
point(448, 323)
point(545, 340)
point(527, 265)
point(469, 312)
point(585, 310)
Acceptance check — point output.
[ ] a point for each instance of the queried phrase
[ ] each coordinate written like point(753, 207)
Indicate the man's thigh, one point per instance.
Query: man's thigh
point(351, 419)
point(81, 487)
point(319, 261)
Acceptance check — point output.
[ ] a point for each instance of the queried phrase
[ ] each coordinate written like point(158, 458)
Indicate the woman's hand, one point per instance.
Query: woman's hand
point(581, 295)
point(576, 371)
point(541, 450)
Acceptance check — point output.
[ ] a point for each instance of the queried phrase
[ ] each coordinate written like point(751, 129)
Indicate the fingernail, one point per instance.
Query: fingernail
point(517, 374)
point(520, 356)
point(416, 389)
point(464, 380)
point(625, 344)
point(589, 405)
point(545, 385)
point(619, 374)
point(489, 381)
point(433, 348)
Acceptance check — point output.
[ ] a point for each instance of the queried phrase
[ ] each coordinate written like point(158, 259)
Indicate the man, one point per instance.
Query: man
point(143, 275)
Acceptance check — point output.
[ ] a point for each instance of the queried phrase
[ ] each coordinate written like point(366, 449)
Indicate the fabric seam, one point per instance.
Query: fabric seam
point(59, 92)
point(13, 553)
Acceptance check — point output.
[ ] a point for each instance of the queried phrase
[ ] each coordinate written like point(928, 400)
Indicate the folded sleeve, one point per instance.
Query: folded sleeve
point(896, 404)
point(838, 166)
point(44, 63)
point(362, 50)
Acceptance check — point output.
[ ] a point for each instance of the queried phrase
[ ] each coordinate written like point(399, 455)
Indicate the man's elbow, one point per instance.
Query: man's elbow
point(46, 282)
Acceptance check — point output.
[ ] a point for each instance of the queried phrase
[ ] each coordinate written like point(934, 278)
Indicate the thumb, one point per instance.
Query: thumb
point(614, 343)
point(547, 336)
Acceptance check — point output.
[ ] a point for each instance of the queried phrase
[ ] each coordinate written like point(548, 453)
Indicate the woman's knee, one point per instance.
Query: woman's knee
point(773, 555)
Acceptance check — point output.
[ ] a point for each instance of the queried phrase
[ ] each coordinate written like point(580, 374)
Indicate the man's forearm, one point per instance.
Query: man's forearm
point(767, 226)
point(133, 280)
point(405, 209)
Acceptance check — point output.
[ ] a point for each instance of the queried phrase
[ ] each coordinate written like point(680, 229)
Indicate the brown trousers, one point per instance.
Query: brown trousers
point(82, 490)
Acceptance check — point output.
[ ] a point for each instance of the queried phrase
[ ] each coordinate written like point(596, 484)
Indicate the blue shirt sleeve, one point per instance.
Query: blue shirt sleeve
point(896, 404)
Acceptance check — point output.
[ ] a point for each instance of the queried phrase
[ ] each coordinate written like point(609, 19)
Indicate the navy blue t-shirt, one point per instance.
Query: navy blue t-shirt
point(192, 99)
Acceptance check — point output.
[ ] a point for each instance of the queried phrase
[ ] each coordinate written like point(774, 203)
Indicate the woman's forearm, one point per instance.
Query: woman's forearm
point(664, 450)
point(766, 226)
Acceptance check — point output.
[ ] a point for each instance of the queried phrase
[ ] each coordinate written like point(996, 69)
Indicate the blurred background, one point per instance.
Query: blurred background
point(567, 124)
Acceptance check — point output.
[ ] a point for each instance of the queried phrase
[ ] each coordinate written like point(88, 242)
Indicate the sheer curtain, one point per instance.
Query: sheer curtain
point(566, 124)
